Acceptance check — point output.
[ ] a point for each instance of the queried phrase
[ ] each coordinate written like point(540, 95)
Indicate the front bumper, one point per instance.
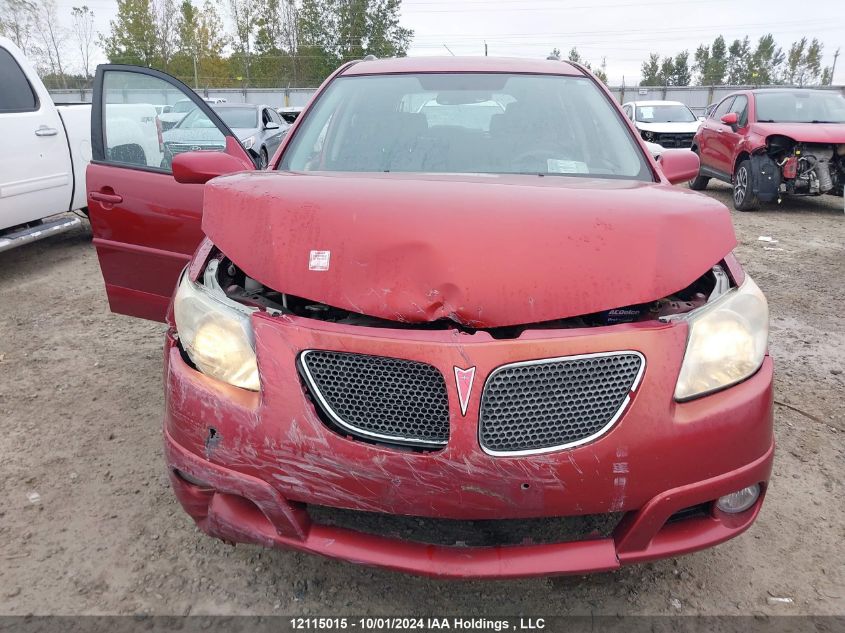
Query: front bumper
point(256, 460)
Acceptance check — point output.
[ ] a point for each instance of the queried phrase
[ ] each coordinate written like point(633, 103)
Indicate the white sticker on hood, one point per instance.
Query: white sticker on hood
point(556, 166)
point(319, 260)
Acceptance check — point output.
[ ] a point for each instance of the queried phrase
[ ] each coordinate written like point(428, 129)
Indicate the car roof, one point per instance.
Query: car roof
point(792, 90)
point(655, 103)
point(517, 65)
point(226, 106)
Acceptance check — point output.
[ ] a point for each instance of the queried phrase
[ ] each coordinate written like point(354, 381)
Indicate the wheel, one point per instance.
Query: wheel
point(744, 197)
point(263, 159)
point(699, 183)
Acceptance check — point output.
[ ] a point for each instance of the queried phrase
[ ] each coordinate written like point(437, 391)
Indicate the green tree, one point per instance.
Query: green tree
point(667, 72)
point(711, 63)
point(200, 43)
point(739, 59)
point(765, 61)
point(574, 55)
point(333, 31)
point(681, 72)
point(133, 37)
point(804, 63)
point(244, 15)
point(650, 71)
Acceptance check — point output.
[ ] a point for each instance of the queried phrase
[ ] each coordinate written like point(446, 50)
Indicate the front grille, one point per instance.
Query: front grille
point(674, 140)
point(375, 397)
point(478, 533)
point(178, 148)
point(545, 405)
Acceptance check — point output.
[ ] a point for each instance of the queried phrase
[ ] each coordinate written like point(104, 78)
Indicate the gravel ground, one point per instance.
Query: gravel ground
point(81, 404)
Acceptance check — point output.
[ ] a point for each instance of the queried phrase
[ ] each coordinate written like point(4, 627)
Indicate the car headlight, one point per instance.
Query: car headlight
point(248, 142)
point(726, 343)
point(647, 135)
point(216, 333)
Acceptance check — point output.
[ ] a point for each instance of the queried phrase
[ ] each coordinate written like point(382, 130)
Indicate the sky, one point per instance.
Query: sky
point(622, 31)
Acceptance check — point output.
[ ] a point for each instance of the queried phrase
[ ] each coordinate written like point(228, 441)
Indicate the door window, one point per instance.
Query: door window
point(136, 135)
point(723, 108)
point(16, 94)
point(740, 106)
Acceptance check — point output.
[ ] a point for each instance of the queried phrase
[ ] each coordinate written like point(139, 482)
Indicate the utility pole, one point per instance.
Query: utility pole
point(833, 68)
point(485, 52)
point(196, 83)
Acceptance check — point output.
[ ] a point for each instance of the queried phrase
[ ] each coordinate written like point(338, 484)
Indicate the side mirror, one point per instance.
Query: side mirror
point(730, 119)
point(166, 109)
point(197, 168)
point(679, 165)
point(271, 125)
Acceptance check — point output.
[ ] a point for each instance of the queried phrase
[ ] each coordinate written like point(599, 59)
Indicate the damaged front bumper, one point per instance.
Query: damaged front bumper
point(247, 466)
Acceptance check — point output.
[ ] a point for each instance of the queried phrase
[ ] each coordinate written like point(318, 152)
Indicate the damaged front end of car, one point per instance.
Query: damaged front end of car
point(444, 431)
point(784, 166)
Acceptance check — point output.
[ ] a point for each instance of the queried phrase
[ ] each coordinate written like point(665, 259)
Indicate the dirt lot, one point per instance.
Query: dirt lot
point(81, 404)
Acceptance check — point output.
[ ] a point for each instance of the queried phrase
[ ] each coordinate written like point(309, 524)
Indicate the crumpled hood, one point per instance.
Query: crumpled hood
point(485, 251)
point(804, 132)
point(675, 127)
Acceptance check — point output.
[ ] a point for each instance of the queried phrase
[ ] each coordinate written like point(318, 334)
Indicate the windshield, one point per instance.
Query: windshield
point(800, 107)
point(183, 106)
point(238, 117)
point(195, 120)
point(466, 123)
point(676, 113)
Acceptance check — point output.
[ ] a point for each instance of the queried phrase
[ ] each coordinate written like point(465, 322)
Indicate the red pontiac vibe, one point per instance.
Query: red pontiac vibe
point(463, 326)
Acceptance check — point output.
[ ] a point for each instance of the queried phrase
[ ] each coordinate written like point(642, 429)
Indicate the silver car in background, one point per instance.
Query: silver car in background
point(259, 128)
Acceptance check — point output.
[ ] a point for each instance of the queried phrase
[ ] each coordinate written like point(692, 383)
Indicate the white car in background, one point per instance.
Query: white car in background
point(667, 123)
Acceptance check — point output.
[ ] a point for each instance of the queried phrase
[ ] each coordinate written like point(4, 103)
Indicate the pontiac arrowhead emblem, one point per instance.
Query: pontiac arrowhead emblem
point(463, 380)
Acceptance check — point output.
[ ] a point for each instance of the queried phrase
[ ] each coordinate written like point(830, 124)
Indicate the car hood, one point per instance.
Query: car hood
point(178, 135)
point(485, 251)
point(670, 128)
point(805, 132)
point(244, 133)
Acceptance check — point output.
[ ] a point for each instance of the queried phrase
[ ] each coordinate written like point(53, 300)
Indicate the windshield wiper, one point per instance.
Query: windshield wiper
point(818, 121)
point(766, 121)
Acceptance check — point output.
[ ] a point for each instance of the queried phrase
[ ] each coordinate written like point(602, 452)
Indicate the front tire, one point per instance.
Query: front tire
point(744, 198)
point(263, 159)
point(699, 183)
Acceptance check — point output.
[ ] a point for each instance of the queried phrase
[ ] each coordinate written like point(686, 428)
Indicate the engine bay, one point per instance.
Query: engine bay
point(227, 278)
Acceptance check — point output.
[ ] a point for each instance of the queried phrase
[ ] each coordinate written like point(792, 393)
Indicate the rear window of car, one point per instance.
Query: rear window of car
point(238, 117)
point(16, 94)
point(494, 123)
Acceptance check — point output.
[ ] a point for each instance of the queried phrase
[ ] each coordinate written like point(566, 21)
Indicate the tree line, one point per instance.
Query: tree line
point(268, 43)
point(297, 43)
point(741, 64)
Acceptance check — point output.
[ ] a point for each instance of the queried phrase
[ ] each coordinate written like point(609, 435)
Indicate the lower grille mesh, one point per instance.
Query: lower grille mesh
point(556, 402)
point(392, 399)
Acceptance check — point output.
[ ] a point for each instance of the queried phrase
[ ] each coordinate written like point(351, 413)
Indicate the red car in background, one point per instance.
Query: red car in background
point(441, 336)
point(774, 142)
